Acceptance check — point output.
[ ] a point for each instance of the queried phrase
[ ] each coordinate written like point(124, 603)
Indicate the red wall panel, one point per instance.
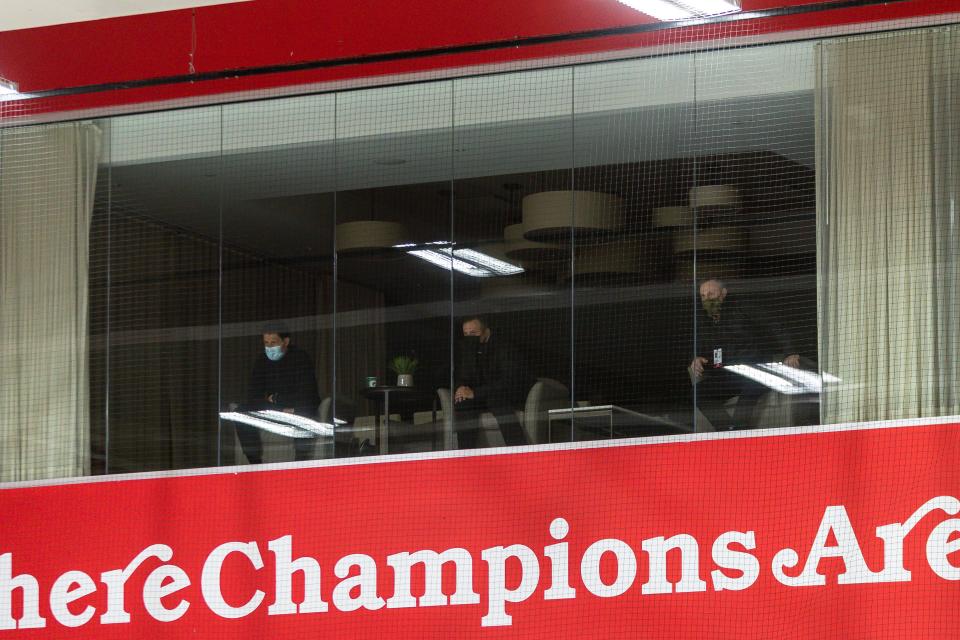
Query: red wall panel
point(281, 32)
point(777, 487)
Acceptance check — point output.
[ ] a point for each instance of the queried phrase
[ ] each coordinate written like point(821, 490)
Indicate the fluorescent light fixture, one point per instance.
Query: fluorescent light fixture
point(466, 261)
point(784, 378)
point(445, 262)
point(496, 265)
point(9, 90)
point(669, 10)
point(659, 9)
point(710, 7)
point(765, 378)
point(267, 425)
point(809, 381)
point(319, 428)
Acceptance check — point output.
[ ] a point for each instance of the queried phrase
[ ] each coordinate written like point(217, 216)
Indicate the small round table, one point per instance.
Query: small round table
point(382, 394)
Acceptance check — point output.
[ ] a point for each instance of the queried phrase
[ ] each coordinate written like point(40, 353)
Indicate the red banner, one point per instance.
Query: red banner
point(801, 534)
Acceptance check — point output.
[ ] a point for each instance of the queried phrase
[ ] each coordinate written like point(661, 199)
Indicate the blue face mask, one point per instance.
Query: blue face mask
point(274, 353)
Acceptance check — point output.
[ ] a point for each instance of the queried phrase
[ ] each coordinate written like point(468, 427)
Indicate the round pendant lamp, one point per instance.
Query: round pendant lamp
point(555, 215)
point(719, 196)
point(527, 251)
point(668, 217)
point(728, 238)
point(369, 236)
point(609, 261)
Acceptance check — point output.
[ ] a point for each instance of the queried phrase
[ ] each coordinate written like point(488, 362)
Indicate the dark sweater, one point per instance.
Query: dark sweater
point(291, 380)
point(744, 332)
point(494, 370)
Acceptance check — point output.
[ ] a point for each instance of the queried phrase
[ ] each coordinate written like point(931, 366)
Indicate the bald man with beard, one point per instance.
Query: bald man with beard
point(731, 332)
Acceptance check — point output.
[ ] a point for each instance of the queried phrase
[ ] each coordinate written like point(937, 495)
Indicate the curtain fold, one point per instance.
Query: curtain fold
point(47, 181)
point(887, 154)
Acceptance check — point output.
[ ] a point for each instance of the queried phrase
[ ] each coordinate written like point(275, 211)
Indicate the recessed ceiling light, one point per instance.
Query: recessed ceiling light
point(710, 7)
point(682, 9)
point(10, 91)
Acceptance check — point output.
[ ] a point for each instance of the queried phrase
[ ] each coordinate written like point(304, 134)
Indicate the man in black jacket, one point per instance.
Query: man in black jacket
point(489, 376)
point(731, 333)
point(283, 379)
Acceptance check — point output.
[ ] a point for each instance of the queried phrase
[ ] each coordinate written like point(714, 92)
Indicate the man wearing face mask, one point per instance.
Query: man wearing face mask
point(489, 376)
point(283, 379)
point(729, 332)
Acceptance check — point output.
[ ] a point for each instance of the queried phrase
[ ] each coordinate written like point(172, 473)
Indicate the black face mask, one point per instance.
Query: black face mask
point(471, 341)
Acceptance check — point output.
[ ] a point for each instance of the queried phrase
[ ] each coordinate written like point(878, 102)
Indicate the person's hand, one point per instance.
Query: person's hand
point(792, 361)
point(696, 367)
point(463, 393)
point(270, 398)
point(287, 410)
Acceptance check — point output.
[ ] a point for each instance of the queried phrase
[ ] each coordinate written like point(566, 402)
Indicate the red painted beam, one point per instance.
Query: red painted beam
point(278, 32)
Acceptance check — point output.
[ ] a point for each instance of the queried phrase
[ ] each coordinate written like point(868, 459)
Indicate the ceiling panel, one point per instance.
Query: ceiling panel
point(41, 13)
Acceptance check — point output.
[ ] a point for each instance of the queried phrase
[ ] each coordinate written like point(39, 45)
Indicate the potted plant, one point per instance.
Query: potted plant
point(404, 367)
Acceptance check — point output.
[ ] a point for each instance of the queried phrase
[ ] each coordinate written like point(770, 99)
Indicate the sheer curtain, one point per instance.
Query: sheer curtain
point(47, 180)
point(887, 152)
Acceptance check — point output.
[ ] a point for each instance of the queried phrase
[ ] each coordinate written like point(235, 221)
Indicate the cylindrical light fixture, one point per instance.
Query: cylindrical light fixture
point(555, 215)
point(719, 252)
point(715, 196)
point(519, 248)
point(712, 239)
point(598, 263)
point(671, 217)
point(369, 235)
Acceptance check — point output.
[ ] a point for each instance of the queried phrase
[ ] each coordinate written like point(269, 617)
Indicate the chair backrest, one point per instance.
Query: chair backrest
point(446, 406)
point(346, 410)
point(325, 409)
point(544, 395)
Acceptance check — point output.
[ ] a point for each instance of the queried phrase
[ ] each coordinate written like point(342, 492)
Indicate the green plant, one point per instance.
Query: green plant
point(403, 365)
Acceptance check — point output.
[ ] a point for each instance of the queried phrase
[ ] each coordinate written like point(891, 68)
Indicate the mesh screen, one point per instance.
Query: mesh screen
point(692, 241)
point(639, 235)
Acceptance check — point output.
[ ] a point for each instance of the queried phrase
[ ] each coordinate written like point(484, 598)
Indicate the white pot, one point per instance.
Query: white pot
point(405, 380)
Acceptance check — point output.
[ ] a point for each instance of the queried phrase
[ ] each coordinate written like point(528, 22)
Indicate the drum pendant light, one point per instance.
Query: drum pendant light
point(371, 235)
point(611, 261)
point(553, 216)
point(668, 217)
point(519, 248)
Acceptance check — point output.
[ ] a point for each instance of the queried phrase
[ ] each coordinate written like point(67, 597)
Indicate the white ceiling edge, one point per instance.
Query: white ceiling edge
point(485, 100)
point(44, 13)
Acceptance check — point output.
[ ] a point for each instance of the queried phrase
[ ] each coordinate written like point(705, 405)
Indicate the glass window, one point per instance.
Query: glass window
point(392, 207)
point(277, 329)
point(512, 213)
point(752, 246)
point(160, 322)
point(633, 125)
point(732, 239)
